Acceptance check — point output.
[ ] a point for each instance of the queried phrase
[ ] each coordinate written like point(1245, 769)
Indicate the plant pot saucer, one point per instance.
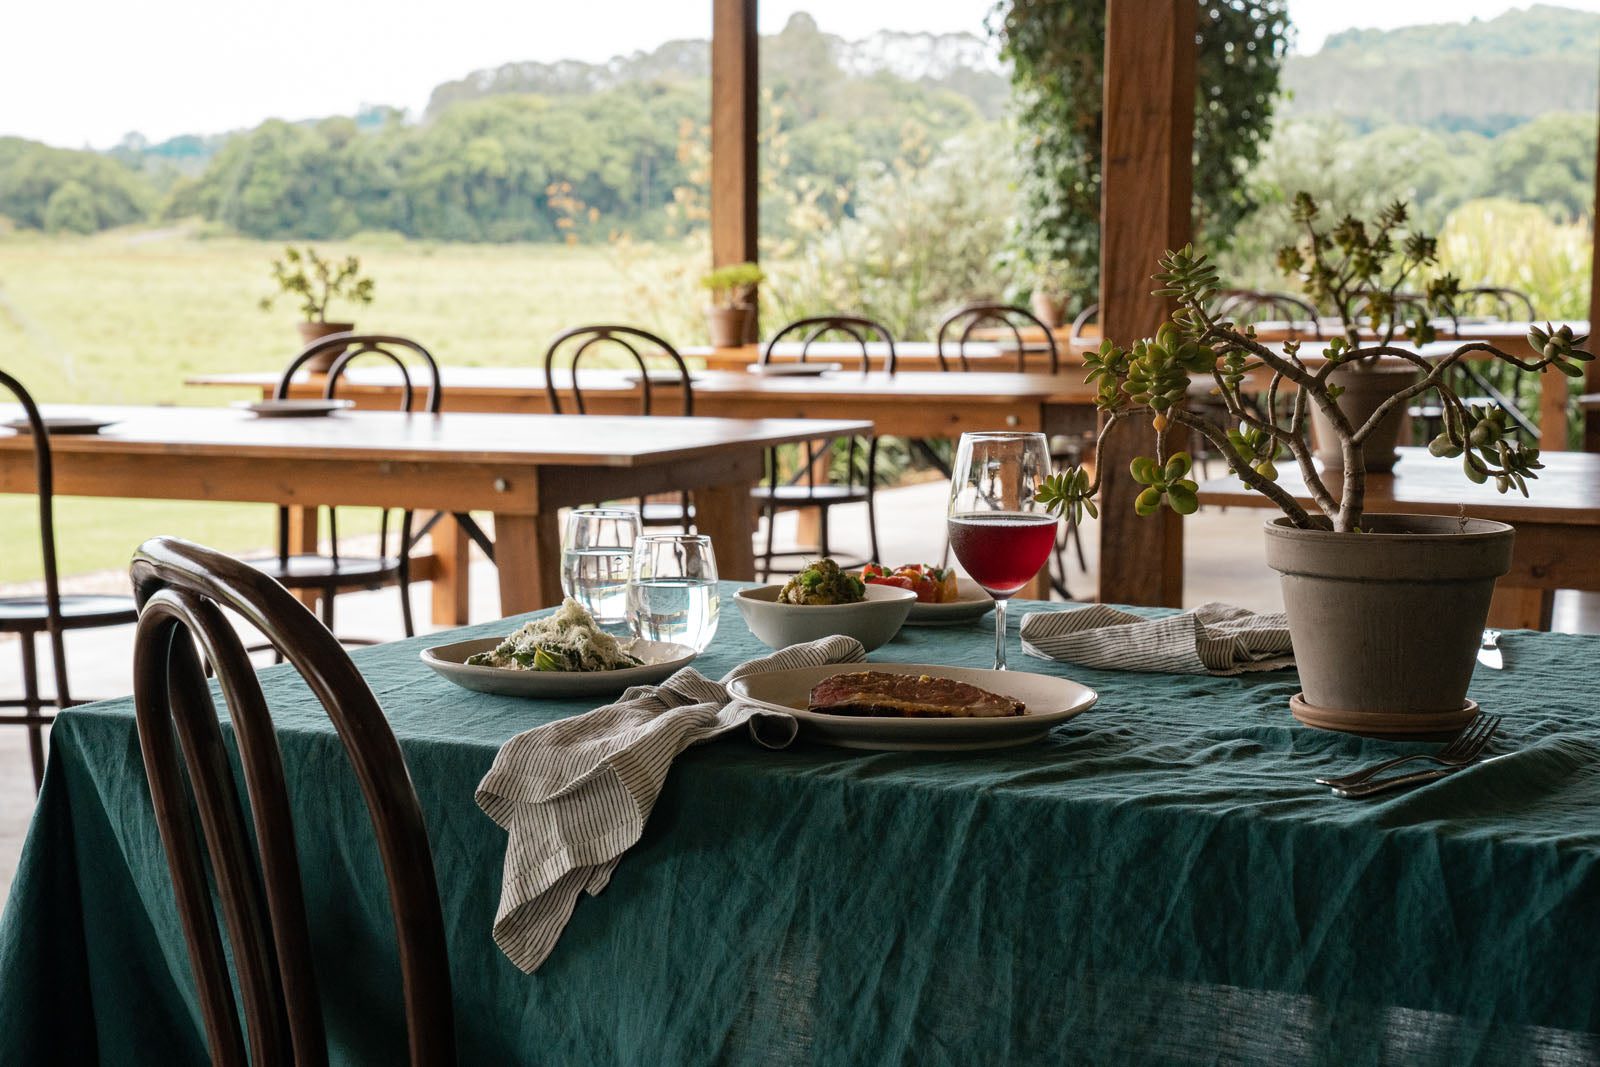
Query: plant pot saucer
point(1390, 725)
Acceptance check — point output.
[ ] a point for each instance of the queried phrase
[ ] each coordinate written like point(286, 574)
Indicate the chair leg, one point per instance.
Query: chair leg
point(772, 524)
point(872, 525)
point(822, 533)
point(31, 706)
point(327, 608)
point(404, 577)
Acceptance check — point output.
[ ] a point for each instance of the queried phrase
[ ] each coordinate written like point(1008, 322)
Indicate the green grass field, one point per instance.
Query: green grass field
point(124, 317)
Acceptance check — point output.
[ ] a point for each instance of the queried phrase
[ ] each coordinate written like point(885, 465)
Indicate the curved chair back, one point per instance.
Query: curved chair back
point(628, 338)
point(1008, 317)
point(1089, 313)
point(856, 328)
point(353, 346)
point(181, 589)
point(1245, 306)
point(44, 478)
point(1506, 302)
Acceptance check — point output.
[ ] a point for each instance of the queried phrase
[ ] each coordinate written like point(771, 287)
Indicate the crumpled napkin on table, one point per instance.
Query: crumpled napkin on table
point(574, 794)
point(1212, 639)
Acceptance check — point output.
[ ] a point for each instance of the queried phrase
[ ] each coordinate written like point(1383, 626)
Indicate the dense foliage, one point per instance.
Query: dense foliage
point(1056, 48)
point(58, 190)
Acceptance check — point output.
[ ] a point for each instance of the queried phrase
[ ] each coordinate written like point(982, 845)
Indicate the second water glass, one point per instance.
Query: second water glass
point(673, 593)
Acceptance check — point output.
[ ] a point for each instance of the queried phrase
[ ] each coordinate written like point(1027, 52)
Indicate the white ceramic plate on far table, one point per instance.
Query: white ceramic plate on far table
point(1049, 701)
point(60, 424)
point(971, 603)
point(295, 408)
point(661, 660)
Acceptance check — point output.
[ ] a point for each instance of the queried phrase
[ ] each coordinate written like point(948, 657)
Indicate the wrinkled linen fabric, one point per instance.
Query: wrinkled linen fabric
point(1156, 882)
point(1214, 638)
point(575, 794)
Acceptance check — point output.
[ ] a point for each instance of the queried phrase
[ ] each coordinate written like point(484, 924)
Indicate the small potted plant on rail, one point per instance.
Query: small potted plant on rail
point(1386, 611)
point(316, 283)
point(728, 318)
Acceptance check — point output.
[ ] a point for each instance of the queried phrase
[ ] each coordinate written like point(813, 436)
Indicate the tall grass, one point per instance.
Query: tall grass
point(1501, 242)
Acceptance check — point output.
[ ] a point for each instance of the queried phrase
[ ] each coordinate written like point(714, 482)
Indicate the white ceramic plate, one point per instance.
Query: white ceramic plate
point(60, 424)
point(300, 408)
point(663, 376)
point(971, 603)
point(795, 370)
point(1050, 701)
point(661, 659)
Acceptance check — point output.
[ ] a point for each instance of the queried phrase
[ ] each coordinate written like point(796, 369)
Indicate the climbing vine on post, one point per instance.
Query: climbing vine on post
point(1057, 51)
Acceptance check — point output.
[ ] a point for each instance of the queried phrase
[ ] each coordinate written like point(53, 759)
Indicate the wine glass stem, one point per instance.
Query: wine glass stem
point(1000, 634)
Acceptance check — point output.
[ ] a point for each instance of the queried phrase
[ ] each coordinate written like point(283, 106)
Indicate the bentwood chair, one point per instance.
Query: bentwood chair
point(1247, 306)
point(1485, 383)
point(53, 613)
point(1007, 318)
point(182, 589)
point(328, 575)
point(660, 370)
point(805, 486)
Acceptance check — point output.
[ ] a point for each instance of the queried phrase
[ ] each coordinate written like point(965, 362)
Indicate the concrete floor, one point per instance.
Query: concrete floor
point(1223, 560)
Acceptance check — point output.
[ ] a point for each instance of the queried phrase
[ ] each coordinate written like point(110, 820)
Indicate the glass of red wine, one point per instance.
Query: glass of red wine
point(1001, 535)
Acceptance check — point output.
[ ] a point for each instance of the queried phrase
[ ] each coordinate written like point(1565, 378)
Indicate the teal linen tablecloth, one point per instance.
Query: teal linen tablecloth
point(1158, 882)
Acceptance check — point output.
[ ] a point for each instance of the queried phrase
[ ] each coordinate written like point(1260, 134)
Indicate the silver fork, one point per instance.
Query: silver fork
point(1462, 749)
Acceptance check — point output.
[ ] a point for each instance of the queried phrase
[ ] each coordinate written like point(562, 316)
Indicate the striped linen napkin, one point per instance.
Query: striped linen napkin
point(1211, 639)
point(575, 794)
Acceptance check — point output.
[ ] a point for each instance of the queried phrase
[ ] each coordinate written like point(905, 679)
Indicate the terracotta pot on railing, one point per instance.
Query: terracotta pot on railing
point(729, 326)
point(1051, 310)
point(316, 331)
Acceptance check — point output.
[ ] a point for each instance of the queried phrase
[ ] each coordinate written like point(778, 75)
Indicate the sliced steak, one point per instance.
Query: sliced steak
point(907, 696)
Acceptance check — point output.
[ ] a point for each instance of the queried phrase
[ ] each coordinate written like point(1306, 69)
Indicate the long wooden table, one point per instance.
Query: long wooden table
point(908, 355)
point(912, 404)
point(521, 468)
point(1558, 525)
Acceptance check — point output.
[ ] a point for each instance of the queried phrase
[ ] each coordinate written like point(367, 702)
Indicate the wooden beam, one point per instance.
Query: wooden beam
point(735, 95)
point(1147, 176)
point(1591, 384)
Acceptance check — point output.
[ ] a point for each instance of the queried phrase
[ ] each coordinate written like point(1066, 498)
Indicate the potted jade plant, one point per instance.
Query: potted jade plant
point(729, 315)
point(1049, 297)
point(1386, 611)
point(316, 283)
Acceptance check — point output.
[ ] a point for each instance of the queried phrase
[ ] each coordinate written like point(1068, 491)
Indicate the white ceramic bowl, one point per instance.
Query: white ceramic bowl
point(871, 621)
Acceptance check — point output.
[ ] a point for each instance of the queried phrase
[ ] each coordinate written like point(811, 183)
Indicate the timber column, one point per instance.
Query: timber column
point(1147, 174)
point(735, 93)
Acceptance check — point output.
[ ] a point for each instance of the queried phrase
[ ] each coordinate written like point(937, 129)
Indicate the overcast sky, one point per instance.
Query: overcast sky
point(85, 72)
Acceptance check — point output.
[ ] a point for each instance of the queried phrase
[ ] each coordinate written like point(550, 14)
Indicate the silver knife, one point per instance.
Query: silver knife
point(1489, 651)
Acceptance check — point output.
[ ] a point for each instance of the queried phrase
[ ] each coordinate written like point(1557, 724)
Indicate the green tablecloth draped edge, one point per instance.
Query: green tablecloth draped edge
point(1158, 881)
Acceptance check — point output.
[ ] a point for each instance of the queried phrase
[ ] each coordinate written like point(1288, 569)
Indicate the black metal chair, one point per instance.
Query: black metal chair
point(181, 590)
point(1485, 383)
point(671, 375)
point(1007, 318)
point(52, 613)
point(1247, 306)
point(328, 575)
point(801, 488)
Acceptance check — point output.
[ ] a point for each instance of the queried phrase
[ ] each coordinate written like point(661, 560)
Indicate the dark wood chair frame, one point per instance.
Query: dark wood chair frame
point(1245, 306)
point(1005, 317)
point(630, 339)
point(353, 346)
point(801, 490)
point(32, 614)
point(181, 589)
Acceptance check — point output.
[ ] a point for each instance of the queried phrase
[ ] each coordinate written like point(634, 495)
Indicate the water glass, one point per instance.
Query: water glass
point(673, 593)
point(597, 560)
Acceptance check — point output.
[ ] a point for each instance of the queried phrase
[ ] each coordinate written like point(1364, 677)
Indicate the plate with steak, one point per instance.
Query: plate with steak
point(918, 705)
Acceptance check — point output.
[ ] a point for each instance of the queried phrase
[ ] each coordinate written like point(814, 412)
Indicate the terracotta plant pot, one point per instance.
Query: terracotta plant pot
point(1365, 388)
point(1049, 309)
point(316, 331)
point(729, 326)
point(1386, 624)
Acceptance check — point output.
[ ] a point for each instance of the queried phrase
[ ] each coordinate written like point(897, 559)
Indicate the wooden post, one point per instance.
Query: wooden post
point(1591, 377)
point(735, 95)
point(1146, 209)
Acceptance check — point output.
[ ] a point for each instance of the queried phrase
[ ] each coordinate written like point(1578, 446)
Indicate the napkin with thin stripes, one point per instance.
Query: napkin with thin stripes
point(574, 794)
point(1211, 639)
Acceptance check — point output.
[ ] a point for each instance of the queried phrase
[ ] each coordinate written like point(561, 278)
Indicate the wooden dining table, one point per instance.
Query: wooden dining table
point(1558, 523)
point(520, 468)
point(997, 354)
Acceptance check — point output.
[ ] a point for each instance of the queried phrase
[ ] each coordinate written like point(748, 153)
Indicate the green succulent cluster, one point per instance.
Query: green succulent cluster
point(1169, 482)
point(1559, 346)
point(1487, 447)
point(1068, 493)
